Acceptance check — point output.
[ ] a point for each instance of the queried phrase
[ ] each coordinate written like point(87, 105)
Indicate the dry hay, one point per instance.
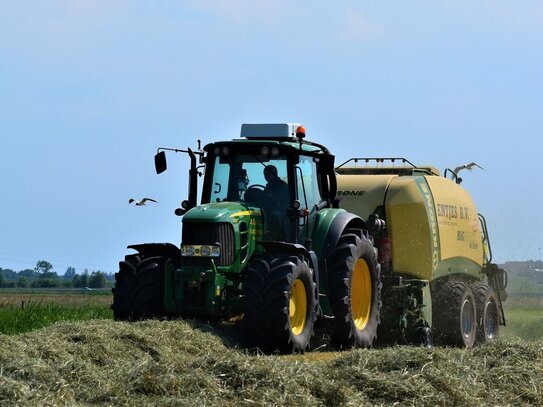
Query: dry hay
point(184, 363)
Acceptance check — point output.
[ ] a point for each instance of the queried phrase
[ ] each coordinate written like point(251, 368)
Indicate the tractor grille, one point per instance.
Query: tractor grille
point(210, 233)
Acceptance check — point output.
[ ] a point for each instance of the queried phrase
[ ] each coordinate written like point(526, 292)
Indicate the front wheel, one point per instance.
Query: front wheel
point(281, 304)
point(355, 290)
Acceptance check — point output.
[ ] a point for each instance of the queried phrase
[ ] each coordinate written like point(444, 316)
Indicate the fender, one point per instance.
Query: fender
point(296, 249)
point(330, 225)
point(166, 250)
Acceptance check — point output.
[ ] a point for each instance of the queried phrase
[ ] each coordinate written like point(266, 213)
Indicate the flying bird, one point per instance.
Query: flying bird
point(468, 167)
point(142, 202)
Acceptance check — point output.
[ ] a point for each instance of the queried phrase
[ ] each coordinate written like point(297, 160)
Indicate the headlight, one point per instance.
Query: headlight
point(187, 251)
point(205, 251)
point(191, 250)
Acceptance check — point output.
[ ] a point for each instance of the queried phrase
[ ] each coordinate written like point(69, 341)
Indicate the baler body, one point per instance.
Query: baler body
point(432, 222)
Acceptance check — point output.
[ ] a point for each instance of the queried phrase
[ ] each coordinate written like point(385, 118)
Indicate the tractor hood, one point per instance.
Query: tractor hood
point(234, 226)
point(229, 212)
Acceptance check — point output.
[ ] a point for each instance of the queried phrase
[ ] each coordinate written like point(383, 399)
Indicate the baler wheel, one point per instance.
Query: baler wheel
point(488, 313)
point(455, 315)
point(124, 278)
point(355, 290)
point(148, 289)
point(281, 304)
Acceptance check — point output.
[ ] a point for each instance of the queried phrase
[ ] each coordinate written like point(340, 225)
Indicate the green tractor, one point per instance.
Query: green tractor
point(267, 244)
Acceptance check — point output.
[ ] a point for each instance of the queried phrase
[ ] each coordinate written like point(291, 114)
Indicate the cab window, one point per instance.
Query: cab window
point(233, 176)
point(307, 184)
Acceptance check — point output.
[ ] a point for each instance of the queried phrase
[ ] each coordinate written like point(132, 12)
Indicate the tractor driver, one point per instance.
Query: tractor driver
point(276, 190)
point(276, 194)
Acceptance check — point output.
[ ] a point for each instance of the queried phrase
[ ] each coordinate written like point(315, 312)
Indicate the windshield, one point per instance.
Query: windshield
point(239, 178)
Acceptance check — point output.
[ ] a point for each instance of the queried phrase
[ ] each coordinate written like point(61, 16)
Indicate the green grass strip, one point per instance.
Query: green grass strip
point(33, 315)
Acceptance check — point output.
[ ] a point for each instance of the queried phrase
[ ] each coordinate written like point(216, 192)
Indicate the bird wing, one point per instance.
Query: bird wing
point(471, 165)
point(466, 167)
point(131, 200)
point(458, 169)
point(147, 199)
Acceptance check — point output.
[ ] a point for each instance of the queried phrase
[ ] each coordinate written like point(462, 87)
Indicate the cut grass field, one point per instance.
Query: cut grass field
point(187, 364)
point(190, 363)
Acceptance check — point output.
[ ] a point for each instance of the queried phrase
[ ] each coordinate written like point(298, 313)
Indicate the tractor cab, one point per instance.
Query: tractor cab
point(273, 169)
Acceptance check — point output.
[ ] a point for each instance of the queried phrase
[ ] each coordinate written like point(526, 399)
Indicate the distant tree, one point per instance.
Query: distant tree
point(28, 273)
point(1, 280)
point(8, 274)
point(81, 280)
point(47, 283)
point(70, 273)
point(22, 282)
point(97, 279)
point(43, 268)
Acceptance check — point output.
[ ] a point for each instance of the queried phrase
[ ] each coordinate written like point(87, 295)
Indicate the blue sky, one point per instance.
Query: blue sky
point(90, 89)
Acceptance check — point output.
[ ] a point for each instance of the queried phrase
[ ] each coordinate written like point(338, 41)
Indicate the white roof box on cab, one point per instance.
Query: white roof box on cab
point(270, 131)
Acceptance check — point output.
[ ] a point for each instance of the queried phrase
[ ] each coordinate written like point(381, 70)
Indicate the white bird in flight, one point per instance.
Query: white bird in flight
point(142, 202)
point(467, 167)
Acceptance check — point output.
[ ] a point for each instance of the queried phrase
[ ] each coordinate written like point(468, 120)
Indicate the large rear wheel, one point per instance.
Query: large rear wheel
point(281, 304)
point(148, 289)
point(124, 278)
point(355, 290)
point(139, 288)
point(455, 315)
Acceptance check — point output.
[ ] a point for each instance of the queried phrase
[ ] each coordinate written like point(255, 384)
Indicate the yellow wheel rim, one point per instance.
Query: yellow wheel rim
point(361, 294)
point(297, 307)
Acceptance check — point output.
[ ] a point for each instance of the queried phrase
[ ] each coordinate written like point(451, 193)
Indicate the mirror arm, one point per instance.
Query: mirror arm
point(177, 150)
point(193, 179)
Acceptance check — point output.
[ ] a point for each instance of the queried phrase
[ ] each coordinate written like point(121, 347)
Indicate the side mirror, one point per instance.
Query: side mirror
point(160, 162)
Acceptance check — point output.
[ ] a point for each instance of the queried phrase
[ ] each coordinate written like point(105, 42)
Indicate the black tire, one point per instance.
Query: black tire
point(281, 304)
point(488, 313)
point(147, 297)
point(122, 308)
point(255, 286)
point(355, 290)
point(455, 315)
